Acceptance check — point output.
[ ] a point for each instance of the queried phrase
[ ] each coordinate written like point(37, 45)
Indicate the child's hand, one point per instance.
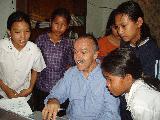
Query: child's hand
point(12, 93)
point(24, 92)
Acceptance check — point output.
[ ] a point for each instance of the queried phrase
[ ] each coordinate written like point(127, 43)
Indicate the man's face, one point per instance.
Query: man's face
point(85, 54)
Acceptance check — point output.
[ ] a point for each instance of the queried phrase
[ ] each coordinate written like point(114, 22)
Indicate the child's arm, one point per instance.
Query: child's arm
point(26, 92)
point(9, 92)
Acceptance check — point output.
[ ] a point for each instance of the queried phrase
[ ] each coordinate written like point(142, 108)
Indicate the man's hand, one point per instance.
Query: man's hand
point(51, 109)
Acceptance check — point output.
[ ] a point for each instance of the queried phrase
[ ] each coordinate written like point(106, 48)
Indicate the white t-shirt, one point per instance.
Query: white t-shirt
point(15, 66)
point(143, 102)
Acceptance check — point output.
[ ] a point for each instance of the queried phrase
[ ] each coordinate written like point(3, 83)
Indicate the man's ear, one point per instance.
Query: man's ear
point(129, 77)
point(96, 54)
point(139, 22)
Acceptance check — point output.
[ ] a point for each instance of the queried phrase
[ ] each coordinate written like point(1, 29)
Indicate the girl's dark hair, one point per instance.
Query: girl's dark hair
point(18, 16)
point(110, 23)
point(61, 12)
point(123, 61)
point(133, 10)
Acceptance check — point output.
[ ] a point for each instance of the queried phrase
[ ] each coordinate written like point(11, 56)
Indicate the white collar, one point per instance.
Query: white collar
point(142, 43)
point(12, 48)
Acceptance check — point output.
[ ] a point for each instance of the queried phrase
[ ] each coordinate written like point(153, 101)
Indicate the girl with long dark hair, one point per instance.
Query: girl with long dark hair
point(123, 72)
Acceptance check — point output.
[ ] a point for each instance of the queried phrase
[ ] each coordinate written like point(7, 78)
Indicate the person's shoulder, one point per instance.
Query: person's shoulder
point(42, 37)
point(98, 67)
point(102, 39)
point(147, 99)
point(72, 72)
point(33, 47)
point(4, 42)
point(146, 93)
point(31, 44)
point(151, 45)
point(148, 42)
point(72, 69)
point(97, 73)
point(67, 40)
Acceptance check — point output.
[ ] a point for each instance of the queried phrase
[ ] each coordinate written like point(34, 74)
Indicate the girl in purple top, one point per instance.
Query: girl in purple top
point(58, 55)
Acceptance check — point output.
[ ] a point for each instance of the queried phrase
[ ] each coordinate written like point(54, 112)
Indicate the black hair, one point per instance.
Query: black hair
point(123, 61)
point(18, 16)
point(134, 11)
point(90, 37)
point(110, 23)
point(61, 12)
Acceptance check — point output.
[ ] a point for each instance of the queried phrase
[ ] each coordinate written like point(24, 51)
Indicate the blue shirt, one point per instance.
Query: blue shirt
point(89, 98)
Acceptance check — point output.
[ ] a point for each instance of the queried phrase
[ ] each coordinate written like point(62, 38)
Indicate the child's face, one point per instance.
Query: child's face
point(128, 29)
point(19, 34)
point(117, 85)
point(59, 25)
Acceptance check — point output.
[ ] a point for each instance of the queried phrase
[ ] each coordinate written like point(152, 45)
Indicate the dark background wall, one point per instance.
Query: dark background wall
point(151, 10)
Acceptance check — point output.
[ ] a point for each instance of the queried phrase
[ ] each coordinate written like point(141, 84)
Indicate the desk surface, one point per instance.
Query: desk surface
point(8, 115)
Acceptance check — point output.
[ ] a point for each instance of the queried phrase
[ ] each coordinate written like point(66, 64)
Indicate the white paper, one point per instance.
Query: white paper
point(18, 105)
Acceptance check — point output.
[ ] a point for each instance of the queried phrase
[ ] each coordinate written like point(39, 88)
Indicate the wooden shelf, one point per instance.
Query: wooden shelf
point(40, 10)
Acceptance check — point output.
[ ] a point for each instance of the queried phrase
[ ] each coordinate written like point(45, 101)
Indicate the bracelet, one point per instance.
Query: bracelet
point(1, 83)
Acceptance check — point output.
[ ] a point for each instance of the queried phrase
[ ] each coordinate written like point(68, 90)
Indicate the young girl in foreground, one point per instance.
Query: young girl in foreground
point(123, 72)
point(20, 59)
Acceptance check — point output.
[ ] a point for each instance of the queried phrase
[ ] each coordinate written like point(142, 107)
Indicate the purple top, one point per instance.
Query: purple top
point(57, 57)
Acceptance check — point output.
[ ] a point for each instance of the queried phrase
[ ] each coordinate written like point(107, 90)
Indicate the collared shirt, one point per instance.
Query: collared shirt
point(15, 66)
point(148, 52)
point(143, 101)
point(57, 57)
point(142, 43)
point(89, 98)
